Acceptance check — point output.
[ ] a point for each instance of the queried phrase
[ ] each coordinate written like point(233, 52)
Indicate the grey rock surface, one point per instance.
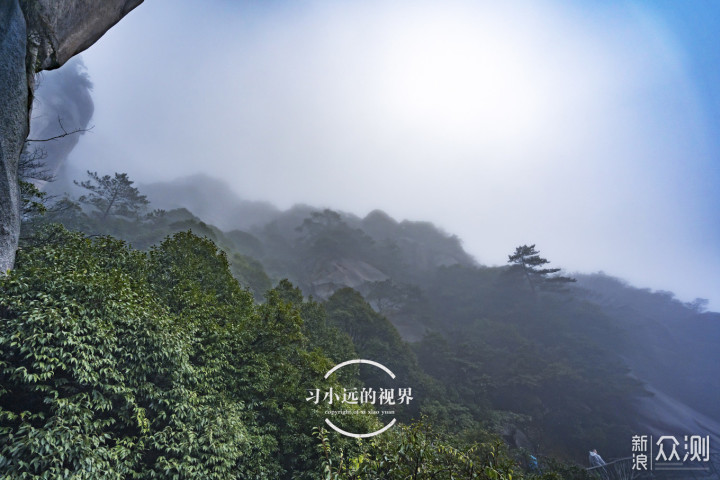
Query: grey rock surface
point(14, 116)
point(37, 35)
point(59, 29)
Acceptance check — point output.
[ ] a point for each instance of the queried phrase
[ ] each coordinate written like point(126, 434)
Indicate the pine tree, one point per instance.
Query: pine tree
point(112, 195)
point(529, 262)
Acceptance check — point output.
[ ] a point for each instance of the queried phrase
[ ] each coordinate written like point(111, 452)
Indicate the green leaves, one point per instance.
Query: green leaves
point(120, 364)
point(97, 380)
point(416, 451)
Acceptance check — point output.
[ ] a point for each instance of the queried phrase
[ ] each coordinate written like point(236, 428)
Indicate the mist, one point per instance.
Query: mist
point(61, 113)
point(585, 129)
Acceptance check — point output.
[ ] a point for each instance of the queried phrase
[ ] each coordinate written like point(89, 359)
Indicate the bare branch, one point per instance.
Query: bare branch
point(64, 134)
point(31, 166)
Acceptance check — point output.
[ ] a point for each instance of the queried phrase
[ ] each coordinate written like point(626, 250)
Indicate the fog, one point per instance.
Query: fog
point(589, 130)
point(62, 109)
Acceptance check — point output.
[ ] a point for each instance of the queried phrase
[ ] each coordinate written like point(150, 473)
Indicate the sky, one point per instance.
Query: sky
point(587, 128)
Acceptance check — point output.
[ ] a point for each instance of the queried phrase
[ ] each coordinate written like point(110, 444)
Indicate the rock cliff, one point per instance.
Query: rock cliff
point(37, 35)
point(13, 124)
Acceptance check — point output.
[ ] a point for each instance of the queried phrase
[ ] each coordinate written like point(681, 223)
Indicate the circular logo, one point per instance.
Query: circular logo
point(360, 435)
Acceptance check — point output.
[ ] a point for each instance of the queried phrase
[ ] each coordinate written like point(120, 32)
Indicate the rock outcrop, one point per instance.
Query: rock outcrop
point(13, 124)
point(37, 35)
point(57, 30)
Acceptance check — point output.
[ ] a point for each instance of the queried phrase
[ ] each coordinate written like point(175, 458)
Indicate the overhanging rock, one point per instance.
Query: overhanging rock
point(37, 35)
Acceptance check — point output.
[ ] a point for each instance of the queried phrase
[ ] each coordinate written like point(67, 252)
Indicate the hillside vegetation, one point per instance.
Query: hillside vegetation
point(160, 346)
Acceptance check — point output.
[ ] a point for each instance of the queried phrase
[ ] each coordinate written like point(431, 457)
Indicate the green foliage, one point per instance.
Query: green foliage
point(112, 196)
point(96, 380)
point(118, 364)
point(319, 331)
point(33, 200)
point(191, 273)
point(417, 452)
point(123, 221)
point(257, 355)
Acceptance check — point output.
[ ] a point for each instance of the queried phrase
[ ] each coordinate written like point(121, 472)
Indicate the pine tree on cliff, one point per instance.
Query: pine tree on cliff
point(528, 261)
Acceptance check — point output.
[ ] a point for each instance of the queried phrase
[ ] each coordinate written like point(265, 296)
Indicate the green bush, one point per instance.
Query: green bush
point(96, 379)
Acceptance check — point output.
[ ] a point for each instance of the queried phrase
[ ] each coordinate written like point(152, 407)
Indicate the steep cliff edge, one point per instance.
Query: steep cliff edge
point(37, 35)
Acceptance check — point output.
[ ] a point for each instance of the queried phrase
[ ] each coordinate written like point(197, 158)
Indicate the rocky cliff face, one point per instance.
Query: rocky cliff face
point(13, 124)
point(37, 35)
point(57, 30)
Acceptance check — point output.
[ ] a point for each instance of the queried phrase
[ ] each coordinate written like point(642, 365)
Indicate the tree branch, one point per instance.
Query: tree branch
point(64, 134)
